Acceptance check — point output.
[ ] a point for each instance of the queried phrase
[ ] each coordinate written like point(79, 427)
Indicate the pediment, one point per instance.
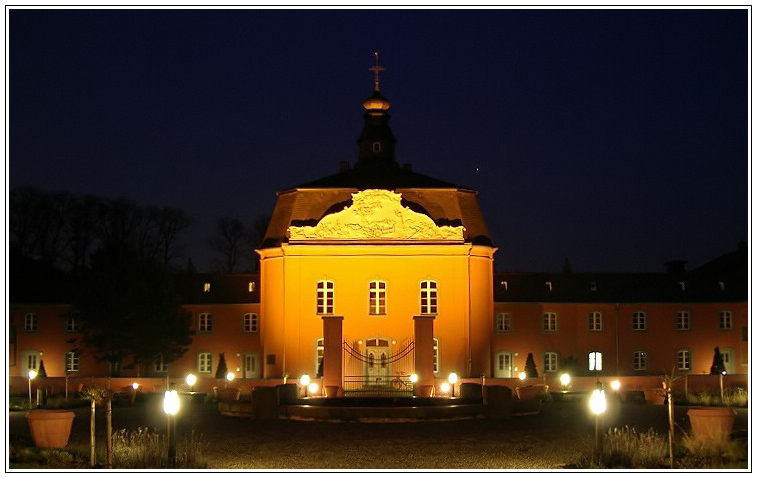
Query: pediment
point(376, 214)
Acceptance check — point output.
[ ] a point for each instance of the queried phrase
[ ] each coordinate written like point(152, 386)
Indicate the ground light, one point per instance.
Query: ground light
point(452, 379)
point(135, 385)
point(598, 406)
point(32, 376)
point(171, 407)
point(191, 381)
point(615, 385)
point(229, 378)
point(565, 380)
point(445, 387)
point(313, 388)
point(413, 378)
point(522, 375)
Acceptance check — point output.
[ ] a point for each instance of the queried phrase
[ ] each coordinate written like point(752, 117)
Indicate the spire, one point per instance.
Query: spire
point(376, 142)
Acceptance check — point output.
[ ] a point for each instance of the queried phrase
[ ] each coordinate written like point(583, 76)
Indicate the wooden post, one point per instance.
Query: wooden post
point(671, 425)
point(722, 400)
point(66, 386)
point(92, 434)
point(109, 433)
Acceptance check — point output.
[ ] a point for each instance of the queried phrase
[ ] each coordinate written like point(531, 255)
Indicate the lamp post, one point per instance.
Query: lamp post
point(452, 379)
point(565, 381)
point(305, 381)
point(229, 378)
point(171, 407)
point(32, 376)
point(598, 405)
point(191, 381)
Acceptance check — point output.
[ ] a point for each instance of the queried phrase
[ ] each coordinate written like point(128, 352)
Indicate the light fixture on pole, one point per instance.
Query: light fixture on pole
point(191, 381)
point(171, 407)
point(229, 378)
point(598, 406)
point(565, 381)
point(452, 379)
point(32, 376)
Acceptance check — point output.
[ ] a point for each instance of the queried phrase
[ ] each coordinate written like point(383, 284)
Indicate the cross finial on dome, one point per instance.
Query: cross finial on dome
point(376, 69)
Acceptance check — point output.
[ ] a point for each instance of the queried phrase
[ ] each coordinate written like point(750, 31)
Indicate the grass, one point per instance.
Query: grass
point(626, 448)
point(735, 397)
point(20, 403)
point(144, 449)
point(724, 453)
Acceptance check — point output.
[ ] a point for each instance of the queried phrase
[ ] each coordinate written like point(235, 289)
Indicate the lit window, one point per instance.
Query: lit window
point(72, 325)
point(595, 321)
point(550, 321)
point(639, 360)
point(251, 287)
point(159, 365)
point(593, 286)
point(31, 322)
point(549, 285)
point(206, 287)
point(428, 297)
point(377, 297)
point(721, 284)
point(436, 355)
point(550, 362)
point(205, 362)
point(595, 361)
point(683, 359)
point(250, 323)
point(325, 298)
point(639, 320)
point(72, 362)
point(504, 284)
point(683, 286)
point(503, 322)
point(725, 320)
point(319, 357)
point(376, 147)
point(206, 322)
point(683, 320)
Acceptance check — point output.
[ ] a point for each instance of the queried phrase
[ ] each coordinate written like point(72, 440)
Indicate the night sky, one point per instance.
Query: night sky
point(615, 138)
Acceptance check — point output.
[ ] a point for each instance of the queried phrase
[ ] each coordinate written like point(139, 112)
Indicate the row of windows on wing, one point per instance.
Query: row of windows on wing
point(594, 287)
point(250, 322)
point(71, 361)
point(639, 359)
point(206, 287)
point(324, 304)
point(31, 323)
point(504, 321)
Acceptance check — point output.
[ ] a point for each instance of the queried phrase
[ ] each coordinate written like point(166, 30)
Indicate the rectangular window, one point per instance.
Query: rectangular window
point(683, 320)
point(503, 322)
point(683, 359)
point(436, 355)
point(595, 321)
point(595, 361)
point(319, 357)
point(72, 362)
point(159, 365)
point(725, 320)
point(250, 323)
point(324, 304)
point(550, 362)
point(428, 297)
point(205, 362)
point(550, 321)
point(72, 325)
point(639, 360)
point(31, 361)
point(206, 322)
point(377, 297)
point(639, 320)
point(31, 322)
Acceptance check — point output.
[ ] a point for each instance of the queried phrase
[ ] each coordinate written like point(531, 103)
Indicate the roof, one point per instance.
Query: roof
point(220, 289)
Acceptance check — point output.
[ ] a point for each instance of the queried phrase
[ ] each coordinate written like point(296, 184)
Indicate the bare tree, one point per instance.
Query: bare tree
point(256, 234)
point(227, 242)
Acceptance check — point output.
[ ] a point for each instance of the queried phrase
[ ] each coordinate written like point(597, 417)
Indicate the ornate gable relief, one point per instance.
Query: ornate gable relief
point(376, 214)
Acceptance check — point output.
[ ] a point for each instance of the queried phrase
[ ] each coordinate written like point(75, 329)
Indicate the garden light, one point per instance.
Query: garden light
point(171, 407)
point(32, 376)
point(313, 388)
point(191, 380)
point(522, 375)
point(452, 379)
point(135, 385)
point(445, 387)
point(305, 380)
point(615, 385)
point(171, 402)
point(565, 379)
point(230, 376)
point(598, 405)
point(413, 378)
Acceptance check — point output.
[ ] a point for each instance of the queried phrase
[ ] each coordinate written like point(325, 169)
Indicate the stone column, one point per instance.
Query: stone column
point(332, 351)
point(424, 348)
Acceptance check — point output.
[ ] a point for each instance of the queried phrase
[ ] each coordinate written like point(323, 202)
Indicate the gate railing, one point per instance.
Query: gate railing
point(395, 379)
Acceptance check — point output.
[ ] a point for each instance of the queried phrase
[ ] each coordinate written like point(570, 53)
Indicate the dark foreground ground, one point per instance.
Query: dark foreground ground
point(550, 440)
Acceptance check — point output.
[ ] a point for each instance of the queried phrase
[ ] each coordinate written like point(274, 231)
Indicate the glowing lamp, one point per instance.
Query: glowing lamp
point(230, 376)
point(135, 385)
point(305, 380)
point(452, 378)
point(171, 402)
point(413, 378)
point(191, 380)
point(32, 374)
point(313, 388)
point(565, 379)
point(724, 372)
point(597, 402)
point(445, 387)
point(522, 375)
point(615, 385)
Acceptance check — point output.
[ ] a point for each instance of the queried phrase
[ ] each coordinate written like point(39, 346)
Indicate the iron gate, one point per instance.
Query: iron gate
point(378, 367)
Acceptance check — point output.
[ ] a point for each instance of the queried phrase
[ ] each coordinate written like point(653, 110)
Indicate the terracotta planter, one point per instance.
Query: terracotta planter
point(531, 392)
point(50, 428)
point(655, 396)
point(424, 391)
point(228, 394)
point(714, 423)
point(331, 391)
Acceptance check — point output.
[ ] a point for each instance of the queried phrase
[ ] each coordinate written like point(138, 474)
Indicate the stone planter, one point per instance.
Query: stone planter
point(424, 391)
point(50, 428)
point(531, 392)
point(654, 396)
point(228, 394)
point(332, 391)
point(714, 423)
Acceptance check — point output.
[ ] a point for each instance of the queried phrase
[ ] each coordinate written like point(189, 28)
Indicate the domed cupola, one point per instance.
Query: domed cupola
point(376, 142)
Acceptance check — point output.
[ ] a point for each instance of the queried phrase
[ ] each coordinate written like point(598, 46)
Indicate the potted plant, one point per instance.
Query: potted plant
point(713, 423)
point(50, 428)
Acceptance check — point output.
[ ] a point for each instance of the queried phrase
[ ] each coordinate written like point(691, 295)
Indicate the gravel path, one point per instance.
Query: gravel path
point(550, 440)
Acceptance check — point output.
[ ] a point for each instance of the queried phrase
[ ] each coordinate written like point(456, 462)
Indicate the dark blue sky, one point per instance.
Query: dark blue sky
point(615, 138)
